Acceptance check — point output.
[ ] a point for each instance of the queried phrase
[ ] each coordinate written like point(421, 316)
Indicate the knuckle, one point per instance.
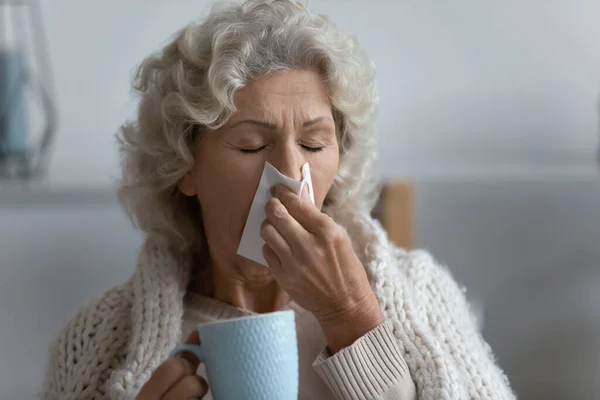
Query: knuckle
point(265, 229)
point(297, 202)
point(324, 227)
point(331, 231)
point(336, 233)
point(276, 208)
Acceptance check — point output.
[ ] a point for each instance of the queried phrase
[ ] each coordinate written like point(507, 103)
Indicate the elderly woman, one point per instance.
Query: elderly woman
point(267, 81)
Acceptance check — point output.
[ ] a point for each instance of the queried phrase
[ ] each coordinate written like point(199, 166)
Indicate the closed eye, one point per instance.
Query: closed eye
point(259, 149)
point(312, 149)
point(252, 151)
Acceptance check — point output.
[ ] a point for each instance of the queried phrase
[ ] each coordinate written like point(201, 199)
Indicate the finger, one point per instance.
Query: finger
point(193, 338)
point(302, 210)
point(165, 377)
point(190, 358)
point(294, 234)
point(271, 257)
point(275, 240)
point(280, 187)
point(189, 387)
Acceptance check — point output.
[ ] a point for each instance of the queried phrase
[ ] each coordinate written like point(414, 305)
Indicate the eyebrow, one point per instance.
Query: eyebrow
point(272, 126)
point(315, 121)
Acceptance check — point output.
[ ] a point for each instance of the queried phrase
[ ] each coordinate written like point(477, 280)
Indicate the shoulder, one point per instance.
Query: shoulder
point(416, 282)
point(431, 316)
point(383, 259)
point(421, 265)
point(426, 272)
point(430, 280)
point(89, 346)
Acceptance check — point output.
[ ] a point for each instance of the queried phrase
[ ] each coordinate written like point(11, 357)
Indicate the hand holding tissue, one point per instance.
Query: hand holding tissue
point(251, 243)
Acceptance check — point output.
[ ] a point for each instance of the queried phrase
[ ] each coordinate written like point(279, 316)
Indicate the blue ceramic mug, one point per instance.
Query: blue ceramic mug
point(250, 358)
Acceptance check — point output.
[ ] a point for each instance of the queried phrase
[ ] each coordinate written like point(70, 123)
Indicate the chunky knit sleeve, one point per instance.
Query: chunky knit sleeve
point(89, 347)
point(445, 330)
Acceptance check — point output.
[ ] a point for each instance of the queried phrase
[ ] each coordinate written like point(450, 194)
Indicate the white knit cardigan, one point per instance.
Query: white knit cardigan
point(112, 346)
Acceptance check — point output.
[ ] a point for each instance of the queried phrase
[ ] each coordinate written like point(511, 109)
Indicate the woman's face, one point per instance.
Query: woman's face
point(283, 118)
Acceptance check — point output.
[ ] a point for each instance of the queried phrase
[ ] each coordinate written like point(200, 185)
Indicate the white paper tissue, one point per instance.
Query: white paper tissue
point(251, 243)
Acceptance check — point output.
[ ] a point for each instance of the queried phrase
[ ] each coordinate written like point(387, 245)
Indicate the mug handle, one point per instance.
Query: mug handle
point(195, 349)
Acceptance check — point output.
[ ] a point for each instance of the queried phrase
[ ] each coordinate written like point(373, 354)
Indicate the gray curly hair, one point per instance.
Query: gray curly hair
point(188, 87)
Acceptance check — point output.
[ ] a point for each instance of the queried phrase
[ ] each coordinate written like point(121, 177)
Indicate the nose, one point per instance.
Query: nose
point(288, 159)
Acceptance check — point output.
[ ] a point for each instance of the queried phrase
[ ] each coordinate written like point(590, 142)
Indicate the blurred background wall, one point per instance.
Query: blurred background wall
point(467, 87)
point(489, 107)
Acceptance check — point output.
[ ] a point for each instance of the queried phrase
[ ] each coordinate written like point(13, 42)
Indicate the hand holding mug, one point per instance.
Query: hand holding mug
point(249, 358)
point(176, 379)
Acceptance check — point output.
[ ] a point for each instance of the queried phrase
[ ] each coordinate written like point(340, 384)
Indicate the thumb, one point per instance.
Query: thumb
point(193, 338)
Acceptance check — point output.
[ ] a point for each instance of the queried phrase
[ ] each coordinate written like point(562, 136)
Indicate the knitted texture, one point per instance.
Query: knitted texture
point(112, 346)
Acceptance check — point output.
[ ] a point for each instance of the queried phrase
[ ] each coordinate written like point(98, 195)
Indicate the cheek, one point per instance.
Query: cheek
point(224, 211)
point(225, 192)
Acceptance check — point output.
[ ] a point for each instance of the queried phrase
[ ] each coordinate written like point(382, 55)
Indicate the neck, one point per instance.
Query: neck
point(248, 286)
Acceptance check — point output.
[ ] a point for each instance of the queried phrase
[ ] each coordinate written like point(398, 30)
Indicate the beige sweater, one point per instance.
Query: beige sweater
point(114, 343)
point(372, 367)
